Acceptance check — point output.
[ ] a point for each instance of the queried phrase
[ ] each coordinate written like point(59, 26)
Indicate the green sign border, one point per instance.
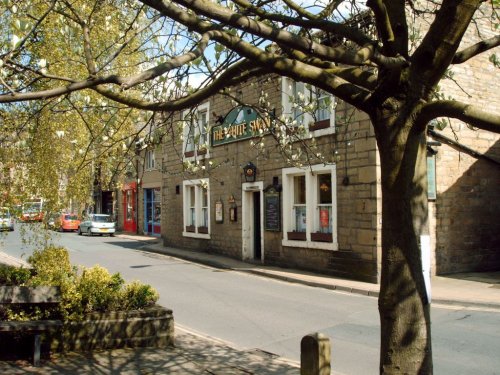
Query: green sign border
point(242, 122)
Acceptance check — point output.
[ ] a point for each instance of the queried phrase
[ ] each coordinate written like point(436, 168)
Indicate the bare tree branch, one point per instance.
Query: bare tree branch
point(338, 54)
point(435, 53)
point(169, 65)
point(467, 113)
point(476, 49)
point(382, 18)
point(232, 76)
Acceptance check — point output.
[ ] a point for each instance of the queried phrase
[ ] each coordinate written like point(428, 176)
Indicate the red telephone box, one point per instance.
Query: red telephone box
point(129, 194)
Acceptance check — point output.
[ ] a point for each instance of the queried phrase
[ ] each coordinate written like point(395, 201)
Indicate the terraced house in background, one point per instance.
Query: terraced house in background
point(225, 184)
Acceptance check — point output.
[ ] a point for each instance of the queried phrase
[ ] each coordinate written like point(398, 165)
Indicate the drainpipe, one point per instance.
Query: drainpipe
point(460, 147)
point(137, 181)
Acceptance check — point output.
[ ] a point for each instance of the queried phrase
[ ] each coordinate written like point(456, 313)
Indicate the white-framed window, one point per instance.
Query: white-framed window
point(308, 106)
point(323, 218)
point(299, 203)
point(150, 160)
point(309, 207)
point(196, 123)
point(196, 208)
point(323, 110)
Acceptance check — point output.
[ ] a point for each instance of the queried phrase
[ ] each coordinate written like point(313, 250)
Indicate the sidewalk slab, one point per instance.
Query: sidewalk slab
point(192, 354)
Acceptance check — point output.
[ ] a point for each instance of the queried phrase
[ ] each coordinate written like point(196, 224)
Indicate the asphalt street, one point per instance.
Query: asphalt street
point(270, 317)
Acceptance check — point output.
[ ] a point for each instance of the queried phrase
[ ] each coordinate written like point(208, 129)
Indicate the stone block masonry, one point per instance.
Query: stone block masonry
point(151, 327)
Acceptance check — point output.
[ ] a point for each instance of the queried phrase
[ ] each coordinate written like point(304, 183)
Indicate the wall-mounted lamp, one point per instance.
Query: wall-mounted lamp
point(250, 171)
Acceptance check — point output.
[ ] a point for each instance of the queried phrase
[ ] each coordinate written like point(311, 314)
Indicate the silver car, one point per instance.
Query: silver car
point(97, 224)
point(6, 219)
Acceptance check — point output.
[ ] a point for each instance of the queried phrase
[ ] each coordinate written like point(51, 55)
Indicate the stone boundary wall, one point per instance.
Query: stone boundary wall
point(152, 327)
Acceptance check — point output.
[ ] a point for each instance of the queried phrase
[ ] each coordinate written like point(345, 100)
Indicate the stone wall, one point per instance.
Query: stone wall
point(152, 327)
point(468, 203)
point(353, 149)
point(463, 226)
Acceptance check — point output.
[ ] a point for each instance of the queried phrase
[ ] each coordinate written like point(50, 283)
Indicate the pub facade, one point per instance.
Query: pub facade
point(231, 179)
point(312, 202)
point(230, 186)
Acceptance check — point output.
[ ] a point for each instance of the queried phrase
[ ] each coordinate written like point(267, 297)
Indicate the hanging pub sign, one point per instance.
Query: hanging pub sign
point(240, 123)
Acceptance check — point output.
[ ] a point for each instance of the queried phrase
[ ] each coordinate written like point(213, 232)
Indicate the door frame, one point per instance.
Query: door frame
point(247, 230)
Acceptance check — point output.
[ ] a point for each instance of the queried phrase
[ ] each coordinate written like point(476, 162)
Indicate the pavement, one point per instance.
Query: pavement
point(198, 354)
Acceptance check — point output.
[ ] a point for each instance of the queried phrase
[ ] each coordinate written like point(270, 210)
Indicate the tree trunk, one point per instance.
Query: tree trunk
point(403, 304)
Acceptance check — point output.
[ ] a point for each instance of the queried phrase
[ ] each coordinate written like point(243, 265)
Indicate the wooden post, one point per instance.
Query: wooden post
point(315, 355)
point(36, 350)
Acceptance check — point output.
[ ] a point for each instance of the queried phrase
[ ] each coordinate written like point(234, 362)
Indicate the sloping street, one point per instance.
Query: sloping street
point(269, 317)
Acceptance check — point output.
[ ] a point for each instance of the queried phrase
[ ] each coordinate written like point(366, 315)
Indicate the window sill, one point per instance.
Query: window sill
point(202, 236)
point(201, 154)
point(316, 245)
point(323, 124)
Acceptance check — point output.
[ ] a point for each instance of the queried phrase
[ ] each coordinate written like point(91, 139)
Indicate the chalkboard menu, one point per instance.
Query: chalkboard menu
point(272, 210)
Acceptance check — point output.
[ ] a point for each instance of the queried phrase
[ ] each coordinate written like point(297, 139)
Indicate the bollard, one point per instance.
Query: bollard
point(315, 355)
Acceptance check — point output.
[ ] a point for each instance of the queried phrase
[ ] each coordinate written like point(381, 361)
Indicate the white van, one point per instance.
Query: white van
point(6, 220)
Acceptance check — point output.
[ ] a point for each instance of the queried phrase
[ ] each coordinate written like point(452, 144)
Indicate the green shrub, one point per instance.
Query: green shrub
point(11, 275)
point(138, 296)
point(99, 290)
point(84, 291)
point(51, 266)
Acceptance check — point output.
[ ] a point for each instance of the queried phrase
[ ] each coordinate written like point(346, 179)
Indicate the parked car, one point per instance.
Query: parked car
point(51, 220)
point(97, 224)
point(66, 222)
point(6, 219)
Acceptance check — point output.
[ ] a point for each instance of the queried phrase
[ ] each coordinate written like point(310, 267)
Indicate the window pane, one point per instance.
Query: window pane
point(204, 217)
point(204, 195)
point(202, 124)
point(157, 212)
point(324, 102)
point(298, 102)
point(192, 217)
point(325, 219)
point(129, 205)
point(150, 160)
point(300, 218)
point(190, 139)
point(299, 189)
point(192, 194)
point(325, 188)
point(157, 195)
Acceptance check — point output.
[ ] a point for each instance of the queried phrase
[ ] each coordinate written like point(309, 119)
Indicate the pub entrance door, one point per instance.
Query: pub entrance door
point(252, 228)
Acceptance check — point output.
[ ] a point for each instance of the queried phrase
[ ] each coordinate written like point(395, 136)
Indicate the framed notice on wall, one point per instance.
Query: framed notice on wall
point(219, 212)
point(272, 210)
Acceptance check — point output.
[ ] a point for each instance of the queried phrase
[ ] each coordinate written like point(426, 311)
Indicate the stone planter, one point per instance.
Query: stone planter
point(296, 236)
point(322, 237)
point(152, 327)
